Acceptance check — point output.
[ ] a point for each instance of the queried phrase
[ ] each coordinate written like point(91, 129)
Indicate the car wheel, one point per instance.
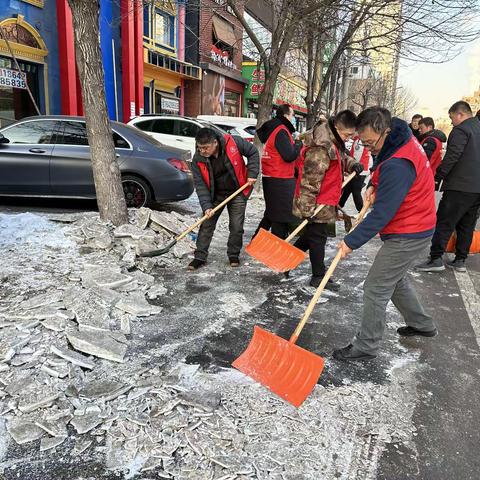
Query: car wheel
point(137, 191)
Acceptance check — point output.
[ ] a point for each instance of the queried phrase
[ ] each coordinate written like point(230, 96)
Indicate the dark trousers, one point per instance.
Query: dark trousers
point(456, 211)
point(236, 214)
point(353, 187)
point(314, 239)
point(265, 223)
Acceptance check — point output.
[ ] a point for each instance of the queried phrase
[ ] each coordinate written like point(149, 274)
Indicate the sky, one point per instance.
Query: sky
point(438, 86)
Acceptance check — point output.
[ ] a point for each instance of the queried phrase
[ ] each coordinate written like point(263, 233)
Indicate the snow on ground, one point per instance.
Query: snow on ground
point(201, 420)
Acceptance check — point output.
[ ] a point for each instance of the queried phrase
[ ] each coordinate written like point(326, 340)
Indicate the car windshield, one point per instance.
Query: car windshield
point(144, 136)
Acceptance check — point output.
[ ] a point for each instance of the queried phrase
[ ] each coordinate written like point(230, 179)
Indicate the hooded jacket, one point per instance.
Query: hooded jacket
point(286, 148)
point(432, 144)
point(322, 149)
point(397, 176)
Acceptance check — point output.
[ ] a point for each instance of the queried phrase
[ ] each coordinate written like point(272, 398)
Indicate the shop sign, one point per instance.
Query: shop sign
point(288, 92)
point(12, 78)
point(170, 104)
point(222, 58)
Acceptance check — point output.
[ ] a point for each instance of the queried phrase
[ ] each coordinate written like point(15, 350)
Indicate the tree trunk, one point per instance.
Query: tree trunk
point(106, 172)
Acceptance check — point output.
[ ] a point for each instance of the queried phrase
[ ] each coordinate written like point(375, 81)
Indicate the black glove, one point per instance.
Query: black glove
point(357, 168)
point(438, 182)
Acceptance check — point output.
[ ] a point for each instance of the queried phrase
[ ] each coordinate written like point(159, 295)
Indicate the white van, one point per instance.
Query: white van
point(241, 126)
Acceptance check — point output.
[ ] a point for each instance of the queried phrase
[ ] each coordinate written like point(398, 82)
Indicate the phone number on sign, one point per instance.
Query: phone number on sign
point(10, 78)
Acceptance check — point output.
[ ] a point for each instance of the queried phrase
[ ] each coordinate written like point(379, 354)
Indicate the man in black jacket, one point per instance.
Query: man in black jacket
point(218, 170)
point(460, 173)
point(414, 125)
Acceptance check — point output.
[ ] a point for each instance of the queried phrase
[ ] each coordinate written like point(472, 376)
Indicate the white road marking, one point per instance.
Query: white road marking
point(471, 301)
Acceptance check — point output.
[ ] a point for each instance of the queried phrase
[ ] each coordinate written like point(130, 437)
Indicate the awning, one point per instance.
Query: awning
point(224, 31)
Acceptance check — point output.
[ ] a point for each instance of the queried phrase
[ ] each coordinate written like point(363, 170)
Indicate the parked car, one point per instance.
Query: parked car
point(49, 156)
point(173, 130)
point(241, 126)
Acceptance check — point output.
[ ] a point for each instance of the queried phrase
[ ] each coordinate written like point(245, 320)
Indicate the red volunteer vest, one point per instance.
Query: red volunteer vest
point(331, 187)
point(236, 159)
point(417, 212)
point(436, 155)
point(273, 164)
point(365, 157)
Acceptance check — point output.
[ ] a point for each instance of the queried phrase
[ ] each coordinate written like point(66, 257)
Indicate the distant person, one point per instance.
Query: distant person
point(361, 154)
point(414, 125)
point(460, 173)
point(431, 140)
point(278, 170)
point(403, 212)
point(218, 170)
point(321, 166)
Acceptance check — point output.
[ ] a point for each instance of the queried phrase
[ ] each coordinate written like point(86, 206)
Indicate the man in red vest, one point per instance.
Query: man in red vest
point(278, 170)
point(431, 140)
point(218, 170)
point(321, 166)
point(403, 212)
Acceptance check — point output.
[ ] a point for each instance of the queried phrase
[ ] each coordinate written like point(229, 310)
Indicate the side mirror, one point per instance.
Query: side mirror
point(4, 139)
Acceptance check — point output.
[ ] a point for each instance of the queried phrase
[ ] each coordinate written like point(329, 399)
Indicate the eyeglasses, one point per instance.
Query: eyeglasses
point(205, 148)
point(371, 145)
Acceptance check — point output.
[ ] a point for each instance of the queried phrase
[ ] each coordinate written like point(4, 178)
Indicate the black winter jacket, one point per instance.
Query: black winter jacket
point(429, 144)
point(205, 195)
point(287, 151)
point(460, 167)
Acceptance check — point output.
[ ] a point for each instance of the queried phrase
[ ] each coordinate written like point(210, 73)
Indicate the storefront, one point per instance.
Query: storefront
point(30, 51)
point(286, 91)
point(164, 68)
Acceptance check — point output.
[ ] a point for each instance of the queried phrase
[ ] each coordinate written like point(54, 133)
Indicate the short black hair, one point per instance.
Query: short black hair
point(346, 118)
point(377, 118)
point(427, 121)
point(460, 106)
point(417, 115)
point(283, 110)
point(205, 135)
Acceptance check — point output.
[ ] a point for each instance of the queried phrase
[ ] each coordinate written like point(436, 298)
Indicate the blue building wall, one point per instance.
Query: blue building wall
point(44, 20)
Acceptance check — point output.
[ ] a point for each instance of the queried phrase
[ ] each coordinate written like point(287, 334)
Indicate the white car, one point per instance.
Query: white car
point(241, 126)
point(172, 130)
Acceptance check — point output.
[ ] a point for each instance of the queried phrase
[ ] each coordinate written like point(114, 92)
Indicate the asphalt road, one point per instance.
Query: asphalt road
point(445, 379)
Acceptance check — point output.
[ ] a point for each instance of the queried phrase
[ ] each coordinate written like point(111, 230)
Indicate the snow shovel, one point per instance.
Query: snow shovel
point(278, 254)
point(286, 369)
point(161, 251)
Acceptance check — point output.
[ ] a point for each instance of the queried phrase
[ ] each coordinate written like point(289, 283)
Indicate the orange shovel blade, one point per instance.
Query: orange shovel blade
point(274, 252)
point(285, 368)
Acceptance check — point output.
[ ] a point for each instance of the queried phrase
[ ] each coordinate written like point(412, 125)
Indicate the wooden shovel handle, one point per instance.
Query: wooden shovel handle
point(218, 207)
point(317, 210)
point(324, 281)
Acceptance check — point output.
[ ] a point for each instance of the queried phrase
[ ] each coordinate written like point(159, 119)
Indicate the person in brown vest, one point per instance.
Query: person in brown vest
point(218, 170)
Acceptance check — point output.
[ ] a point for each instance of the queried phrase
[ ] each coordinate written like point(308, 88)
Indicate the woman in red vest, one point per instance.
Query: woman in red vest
point(403, 212)
point(321, 166)
point(278, 170)
point(355, 186)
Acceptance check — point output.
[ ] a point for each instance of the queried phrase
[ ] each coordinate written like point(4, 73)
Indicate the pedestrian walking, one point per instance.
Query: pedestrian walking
point(431, 140)
point(414, 125)
point(403, 213)
point(218, 170)
point(322, 163)
point(355, 186)
point(278, 170)
point(459, 175)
